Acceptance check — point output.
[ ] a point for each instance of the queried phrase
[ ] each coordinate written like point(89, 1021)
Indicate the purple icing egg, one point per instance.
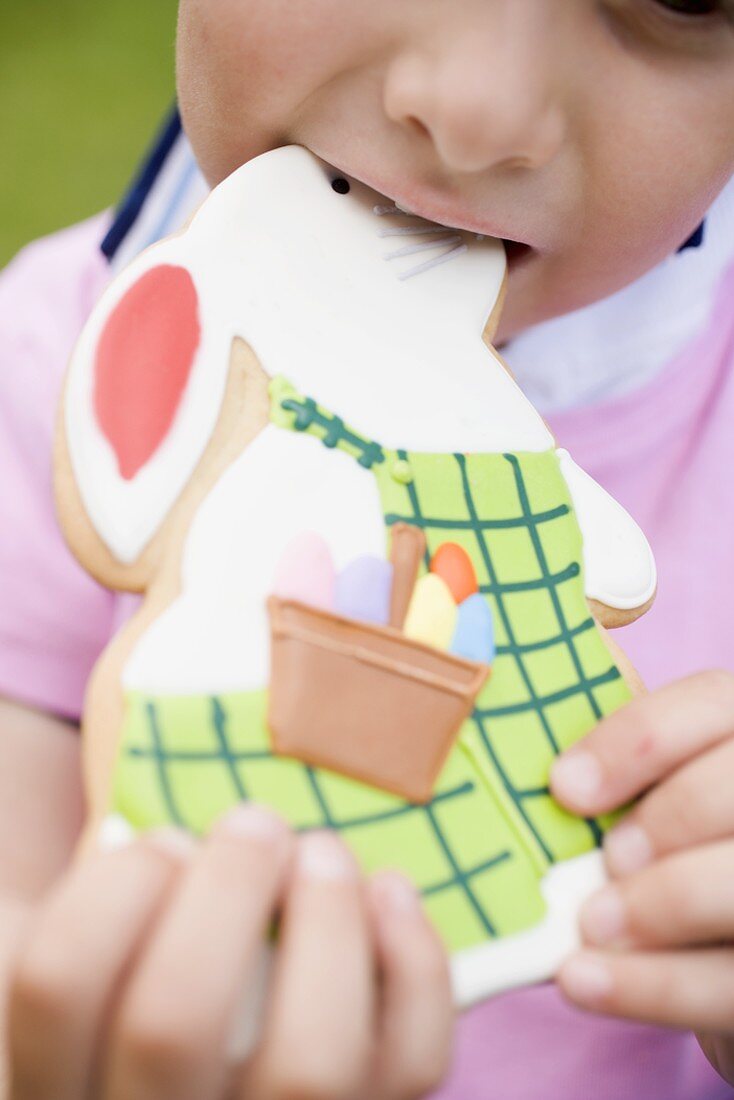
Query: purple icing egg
point(474, 634)
point(306, 572)
point(363, 590)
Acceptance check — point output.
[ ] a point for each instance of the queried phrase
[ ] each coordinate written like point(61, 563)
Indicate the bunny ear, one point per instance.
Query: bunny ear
point(143, 362)
point(144, 391)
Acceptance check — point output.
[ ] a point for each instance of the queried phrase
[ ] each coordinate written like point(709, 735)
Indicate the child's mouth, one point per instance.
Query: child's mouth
point(441, 213)
point(517, 252)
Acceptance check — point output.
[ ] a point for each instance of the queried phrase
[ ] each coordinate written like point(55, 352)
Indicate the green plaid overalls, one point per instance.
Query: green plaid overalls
point(479, 849)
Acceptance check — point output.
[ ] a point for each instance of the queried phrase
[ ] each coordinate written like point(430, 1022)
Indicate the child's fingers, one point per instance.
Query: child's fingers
point(416, 1018)
point(76, 953)
point(692, 990)
point(170, 1037)
point(645, 741)
point(318, 1031)
point(691, 807)
point(684, 899)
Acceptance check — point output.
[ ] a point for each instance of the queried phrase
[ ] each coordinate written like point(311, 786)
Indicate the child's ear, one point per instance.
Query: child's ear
point(243, 412)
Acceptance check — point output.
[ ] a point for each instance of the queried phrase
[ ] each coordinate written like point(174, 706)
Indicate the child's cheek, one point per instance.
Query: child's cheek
point(248, 70)
point(231, 81)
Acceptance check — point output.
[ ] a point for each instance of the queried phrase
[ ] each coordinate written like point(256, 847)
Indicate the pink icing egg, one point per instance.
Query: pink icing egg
point(453, 565)
point(306, 572)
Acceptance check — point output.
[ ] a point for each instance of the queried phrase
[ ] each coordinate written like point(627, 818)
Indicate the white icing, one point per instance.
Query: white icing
point(535, 955)
point(215, 636)
point(299, 271)
point(114, 832)
point(619, 567)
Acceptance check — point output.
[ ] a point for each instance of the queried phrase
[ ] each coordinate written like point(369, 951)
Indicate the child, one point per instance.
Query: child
point(596, 135)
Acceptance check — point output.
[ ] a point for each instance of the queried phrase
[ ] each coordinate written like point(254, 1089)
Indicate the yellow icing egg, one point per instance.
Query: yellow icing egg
point(432, 613)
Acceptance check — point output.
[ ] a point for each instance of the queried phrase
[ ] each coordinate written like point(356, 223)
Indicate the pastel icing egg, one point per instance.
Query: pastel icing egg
point(363, 589)
point(432, 613)
point(474, 634)
point(306, 572)
point(453, 565)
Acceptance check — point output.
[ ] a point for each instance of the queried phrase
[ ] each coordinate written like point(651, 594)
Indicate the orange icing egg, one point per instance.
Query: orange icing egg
point(453, 565)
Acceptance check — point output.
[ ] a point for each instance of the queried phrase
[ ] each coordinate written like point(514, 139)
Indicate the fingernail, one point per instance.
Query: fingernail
point(603, 917)
point(395, 893)
point(253, 822)
point(627, 849)
point(174, 842)
point(322, 855)
point(587, 979)
point(577, 777)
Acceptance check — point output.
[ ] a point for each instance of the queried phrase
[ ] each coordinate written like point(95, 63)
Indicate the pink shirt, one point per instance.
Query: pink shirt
point(666, 451)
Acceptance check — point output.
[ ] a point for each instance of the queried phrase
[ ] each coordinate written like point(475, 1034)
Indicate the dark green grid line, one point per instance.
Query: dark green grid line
point(510, 787)
point(406, 808)
point(460, 876)
point(534, 792)
point(429, 524)
point(198, 757)
point(548, 700)
point(546, 643)
point(320, 798)
point(219, 721)
point(160, 760)
point(503, 587)
point(472, 873)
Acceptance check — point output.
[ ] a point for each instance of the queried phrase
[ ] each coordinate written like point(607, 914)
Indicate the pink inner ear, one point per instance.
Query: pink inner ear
point(143, 362)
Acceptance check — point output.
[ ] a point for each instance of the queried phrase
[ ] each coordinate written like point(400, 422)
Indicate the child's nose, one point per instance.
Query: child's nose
point(485, 98)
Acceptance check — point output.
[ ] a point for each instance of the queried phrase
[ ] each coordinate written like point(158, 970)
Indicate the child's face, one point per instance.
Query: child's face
point(596, 132)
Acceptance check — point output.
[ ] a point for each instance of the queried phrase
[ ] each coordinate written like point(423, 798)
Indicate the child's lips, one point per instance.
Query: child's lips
point(517, 252)
point(445, 212)
point(452, 218)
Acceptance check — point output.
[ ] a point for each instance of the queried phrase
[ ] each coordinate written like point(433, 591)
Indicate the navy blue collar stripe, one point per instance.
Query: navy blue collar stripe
point(695, 240)
point(131, 206)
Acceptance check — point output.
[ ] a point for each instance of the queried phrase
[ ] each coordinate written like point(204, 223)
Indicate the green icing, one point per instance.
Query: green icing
point(478, 850)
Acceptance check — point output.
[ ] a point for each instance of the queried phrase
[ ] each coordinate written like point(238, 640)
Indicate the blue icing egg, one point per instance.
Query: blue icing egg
point(363, 590)
point(474, 634)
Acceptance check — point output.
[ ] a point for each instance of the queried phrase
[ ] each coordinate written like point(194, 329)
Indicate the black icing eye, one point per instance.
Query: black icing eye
point(341, 186)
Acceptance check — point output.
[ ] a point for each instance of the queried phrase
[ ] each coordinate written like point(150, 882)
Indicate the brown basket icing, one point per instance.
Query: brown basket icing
point(365, 700)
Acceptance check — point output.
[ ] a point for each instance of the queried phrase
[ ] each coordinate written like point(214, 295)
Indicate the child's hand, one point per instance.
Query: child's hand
point(664, 931)
point(131, 975)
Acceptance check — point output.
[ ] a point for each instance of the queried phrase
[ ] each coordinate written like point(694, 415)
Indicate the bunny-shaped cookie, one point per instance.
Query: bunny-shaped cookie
point(307, 357)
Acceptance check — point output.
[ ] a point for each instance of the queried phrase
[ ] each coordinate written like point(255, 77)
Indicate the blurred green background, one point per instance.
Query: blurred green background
point(84, 85)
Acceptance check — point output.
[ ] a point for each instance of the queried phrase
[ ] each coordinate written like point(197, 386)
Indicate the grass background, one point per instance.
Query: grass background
point(84, 85)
